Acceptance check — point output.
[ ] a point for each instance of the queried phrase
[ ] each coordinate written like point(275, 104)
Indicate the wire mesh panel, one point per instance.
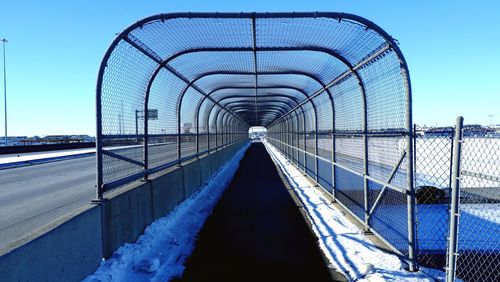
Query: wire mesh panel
point(479, 223)
point(433, 157)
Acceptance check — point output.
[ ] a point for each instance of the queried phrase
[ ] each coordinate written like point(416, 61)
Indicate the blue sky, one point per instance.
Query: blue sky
point(55, 47)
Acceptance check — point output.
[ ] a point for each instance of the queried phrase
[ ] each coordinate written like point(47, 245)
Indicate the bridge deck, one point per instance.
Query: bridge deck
point(256, 232)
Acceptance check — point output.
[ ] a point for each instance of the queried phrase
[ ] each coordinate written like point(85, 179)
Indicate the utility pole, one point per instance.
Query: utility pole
point(491, 120)
point(5, 88)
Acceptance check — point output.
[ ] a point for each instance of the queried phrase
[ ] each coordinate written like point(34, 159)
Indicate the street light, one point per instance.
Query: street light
point(5, 88)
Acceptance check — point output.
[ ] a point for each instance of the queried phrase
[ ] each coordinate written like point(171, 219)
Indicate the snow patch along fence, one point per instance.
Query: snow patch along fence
point(72, 247)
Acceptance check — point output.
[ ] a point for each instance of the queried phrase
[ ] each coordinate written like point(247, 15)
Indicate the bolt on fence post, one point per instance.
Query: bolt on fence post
point(455, 193)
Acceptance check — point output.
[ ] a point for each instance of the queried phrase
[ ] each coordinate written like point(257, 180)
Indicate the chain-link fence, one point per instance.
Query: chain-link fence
point(477, 253)
point(353, 136)
point(333, 90)
point(433, 177)
point(478, 248)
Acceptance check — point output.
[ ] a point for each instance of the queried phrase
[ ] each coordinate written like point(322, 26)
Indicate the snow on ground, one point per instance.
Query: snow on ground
point(25, 157)
point(344, 244)
point(159, 254)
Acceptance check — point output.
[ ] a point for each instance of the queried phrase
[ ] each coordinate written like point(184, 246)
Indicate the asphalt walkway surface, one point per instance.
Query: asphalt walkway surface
point(256, 232)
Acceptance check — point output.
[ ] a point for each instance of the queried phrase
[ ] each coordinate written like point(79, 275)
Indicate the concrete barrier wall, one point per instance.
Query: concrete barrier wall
point(73, 249)
point(67, 250)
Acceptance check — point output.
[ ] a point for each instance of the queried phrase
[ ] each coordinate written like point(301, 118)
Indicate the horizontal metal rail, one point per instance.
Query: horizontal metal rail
point(368, 177)
point(137, 176)
point(353, 215)
point(480, 175)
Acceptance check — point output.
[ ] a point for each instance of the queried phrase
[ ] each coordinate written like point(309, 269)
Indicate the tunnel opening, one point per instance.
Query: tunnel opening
point(332, 89)
point(257, 133)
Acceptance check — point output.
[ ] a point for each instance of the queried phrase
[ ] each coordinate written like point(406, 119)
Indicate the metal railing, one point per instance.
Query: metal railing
point(344, 179)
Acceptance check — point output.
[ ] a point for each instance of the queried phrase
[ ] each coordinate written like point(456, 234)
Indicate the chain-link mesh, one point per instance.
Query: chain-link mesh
point(479, 222)
point(478, 250)
point(433, 158)
point(332, 90)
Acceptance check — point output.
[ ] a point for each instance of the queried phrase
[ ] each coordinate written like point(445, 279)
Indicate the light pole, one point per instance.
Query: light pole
point(5, 88)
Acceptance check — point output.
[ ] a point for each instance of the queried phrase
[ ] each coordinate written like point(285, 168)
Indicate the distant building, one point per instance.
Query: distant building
point(12, 140)
point(187, 127)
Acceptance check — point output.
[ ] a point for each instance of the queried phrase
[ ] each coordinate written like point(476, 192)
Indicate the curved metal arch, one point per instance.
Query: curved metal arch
point(270, 95)
point(277, 87)
point(251, 73)
point(165, 62)
point(301, 91)
point(245, 106)
point(267, 96)
point(250, 97)
point(246, 110)
point(242, 101)
point(269, 107)
point(191, 84)
point(254, 49)
point(163, 17)
point(320, 49)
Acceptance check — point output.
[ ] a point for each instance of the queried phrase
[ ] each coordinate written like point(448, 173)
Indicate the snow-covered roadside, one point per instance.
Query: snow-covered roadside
point(346, 247)
point(159, 254)
point(33, 156)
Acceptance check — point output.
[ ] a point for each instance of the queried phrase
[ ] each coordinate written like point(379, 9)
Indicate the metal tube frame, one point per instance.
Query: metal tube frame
point(338, 16)
point(452, 251)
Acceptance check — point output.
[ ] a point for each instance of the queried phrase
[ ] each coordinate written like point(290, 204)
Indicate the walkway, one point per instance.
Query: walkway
point(256, 232)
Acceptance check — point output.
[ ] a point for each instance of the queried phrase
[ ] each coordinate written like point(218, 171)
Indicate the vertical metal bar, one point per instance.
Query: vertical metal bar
point(304, 137)
point(452, 139)
point(223, 130)
point(231, 130)
point(365, 163)
point(294, 138)
point(216, 130)
point(410, 197)
point(455, 198)
point(198, 131)
point(208, 131)
point(5, 88)
point(100, 183)
point(137, 126)
point(179, 149)
point(316, 150)
point(287, 148)
point(145, 137)
point(334, 180)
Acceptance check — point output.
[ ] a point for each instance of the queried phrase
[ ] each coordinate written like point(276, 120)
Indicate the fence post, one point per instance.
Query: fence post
point(455, 190)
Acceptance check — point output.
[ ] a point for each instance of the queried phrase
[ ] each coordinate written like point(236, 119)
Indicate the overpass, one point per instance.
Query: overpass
point(332, 89)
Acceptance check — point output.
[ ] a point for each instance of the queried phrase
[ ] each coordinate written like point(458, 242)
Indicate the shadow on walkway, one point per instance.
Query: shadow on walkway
point(256, 232)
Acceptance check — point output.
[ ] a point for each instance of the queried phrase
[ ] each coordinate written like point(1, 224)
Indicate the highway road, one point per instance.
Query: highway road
point(33, 196)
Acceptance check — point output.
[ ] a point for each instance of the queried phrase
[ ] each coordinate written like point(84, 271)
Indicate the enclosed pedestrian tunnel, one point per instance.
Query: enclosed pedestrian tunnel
point(332, 89)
